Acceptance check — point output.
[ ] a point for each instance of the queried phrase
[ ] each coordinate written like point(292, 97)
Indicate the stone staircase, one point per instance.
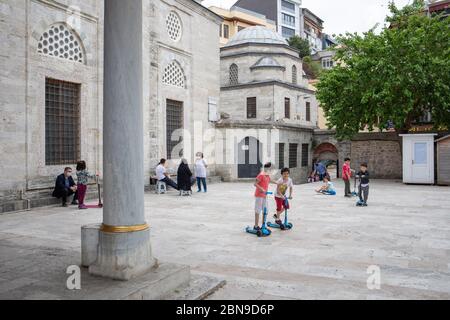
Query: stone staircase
point(39, 198)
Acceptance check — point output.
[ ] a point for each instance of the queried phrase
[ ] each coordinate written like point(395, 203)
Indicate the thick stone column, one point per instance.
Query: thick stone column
point(124, 249)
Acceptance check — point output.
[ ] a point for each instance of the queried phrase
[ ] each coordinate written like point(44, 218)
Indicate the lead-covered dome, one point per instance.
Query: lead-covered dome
point(256, 34)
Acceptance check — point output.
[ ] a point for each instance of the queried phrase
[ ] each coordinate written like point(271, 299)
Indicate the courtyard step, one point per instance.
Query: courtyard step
point(39, 198)
point(200, 287)
point(214, 179)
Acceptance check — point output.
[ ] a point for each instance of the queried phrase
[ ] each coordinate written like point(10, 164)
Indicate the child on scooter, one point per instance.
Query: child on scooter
point(283, 184)
point(262, 186)
point(363, 193)
point(83, 178)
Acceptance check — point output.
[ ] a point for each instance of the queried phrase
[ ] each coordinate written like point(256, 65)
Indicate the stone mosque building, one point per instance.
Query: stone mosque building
point(51, 94)
point(51, 79)
point(264, 93)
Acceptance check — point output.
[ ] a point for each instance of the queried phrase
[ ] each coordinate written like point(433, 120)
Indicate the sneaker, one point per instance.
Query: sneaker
point(199, 190)
point(257, 228)
point(365, 204)
point(64, 205)
point(280, 223)
point(82, 207)
point(74, 203)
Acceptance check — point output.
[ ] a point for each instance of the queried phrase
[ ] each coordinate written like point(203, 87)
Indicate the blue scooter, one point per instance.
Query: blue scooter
point(286, 225)
point(354, 193)
point(264, 232)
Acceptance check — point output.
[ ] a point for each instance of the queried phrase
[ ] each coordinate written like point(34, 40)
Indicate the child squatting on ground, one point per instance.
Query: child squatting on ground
point(363, 176)
point(262, 187)
point(327, 188)
point(82, 181)
point(283, 184)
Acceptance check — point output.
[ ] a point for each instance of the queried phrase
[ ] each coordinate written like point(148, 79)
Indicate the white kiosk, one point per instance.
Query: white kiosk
point(418, 158)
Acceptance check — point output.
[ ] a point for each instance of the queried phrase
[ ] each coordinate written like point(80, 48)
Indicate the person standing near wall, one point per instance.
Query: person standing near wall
point(82, 182)
point(321, 170)
point(200, 172)
point(347, 176)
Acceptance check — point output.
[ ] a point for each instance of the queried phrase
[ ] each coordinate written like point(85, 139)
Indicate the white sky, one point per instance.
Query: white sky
point(339, 15)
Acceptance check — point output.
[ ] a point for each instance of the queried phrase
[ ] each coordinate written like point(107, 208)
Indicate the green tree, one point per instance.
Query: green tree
point(313, 69)
point(302, 45)
point(395, 76)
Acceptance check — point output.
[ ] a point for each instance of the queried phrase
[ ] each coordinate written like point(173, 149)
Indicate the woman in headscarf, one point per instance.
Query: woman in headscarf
point(184, 176)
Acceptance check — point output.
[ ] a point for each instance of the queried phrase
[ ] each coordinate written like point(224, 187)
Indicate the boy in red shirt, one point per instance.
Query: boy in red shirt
point(346, 176)
point(262, 186)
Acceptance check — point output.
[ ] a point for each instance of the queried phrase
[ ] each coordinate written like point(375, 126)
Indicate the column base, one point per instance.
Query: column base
point(123, 256)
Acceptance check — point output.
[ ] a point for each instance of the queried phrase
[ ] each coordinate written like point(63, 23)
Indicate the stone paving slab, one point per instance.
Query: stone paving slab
point(405, 231)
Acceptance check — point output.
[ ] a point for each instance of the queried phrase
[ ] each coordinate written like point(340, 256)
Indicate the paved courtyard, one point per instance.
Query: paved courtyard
point(405, 232)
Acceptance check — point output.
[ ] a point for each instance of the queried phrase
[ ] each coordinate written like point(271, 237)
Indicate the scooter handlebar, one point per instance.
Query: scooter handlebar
point(268, 193)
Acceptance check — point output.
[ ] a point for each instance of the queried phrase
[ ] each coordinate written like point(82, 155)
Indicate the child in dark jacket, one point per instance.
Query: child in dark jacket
point(363, 176)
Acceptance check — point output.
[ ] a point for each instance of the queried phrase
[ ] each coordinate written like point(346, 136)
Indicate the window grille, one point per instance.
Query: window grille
point(294, 74)
point(173, 24)
point(234, 74)
point(174, 75)
point(174, 122)
point(308, 111)
point(287, 108)
point(293, 155)
point(62, 122)
point(251, 108)
point(281, 155)
point(305, 155)
point(60, 42)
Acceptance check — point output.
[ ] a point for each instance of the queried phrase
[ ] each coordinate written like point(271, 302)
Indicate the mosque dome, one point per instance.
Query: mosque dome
point(258, 34)
point(266, 62)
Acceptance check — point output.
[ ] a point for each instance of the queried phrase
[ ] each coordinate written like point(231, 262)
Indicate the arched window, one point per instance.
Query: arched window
point(174, 75)
point(234, 74)
point(173, 25)
point(294, 74)
point(61, 42)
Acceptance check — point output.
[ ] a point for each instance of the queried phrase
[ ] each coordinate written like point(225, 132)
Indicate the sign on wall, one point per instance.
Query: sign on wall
point(213, 114)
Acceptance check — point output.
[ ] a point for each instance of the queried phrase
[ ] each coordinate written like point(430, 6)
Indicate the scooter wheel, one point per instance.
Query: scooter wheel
point(259, 233)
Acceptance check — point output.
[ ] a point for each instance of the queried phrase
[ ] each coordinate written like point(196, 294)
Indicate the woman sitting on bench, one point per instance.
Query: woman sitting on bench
point(162, 175)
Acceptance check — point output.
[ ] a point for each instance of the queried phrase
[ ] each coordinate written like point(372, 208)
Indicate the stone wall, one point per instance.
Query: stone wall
point(22, 92)
point(197, 53)
point(381, 152)
point(24, 69)
point(229, 136)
